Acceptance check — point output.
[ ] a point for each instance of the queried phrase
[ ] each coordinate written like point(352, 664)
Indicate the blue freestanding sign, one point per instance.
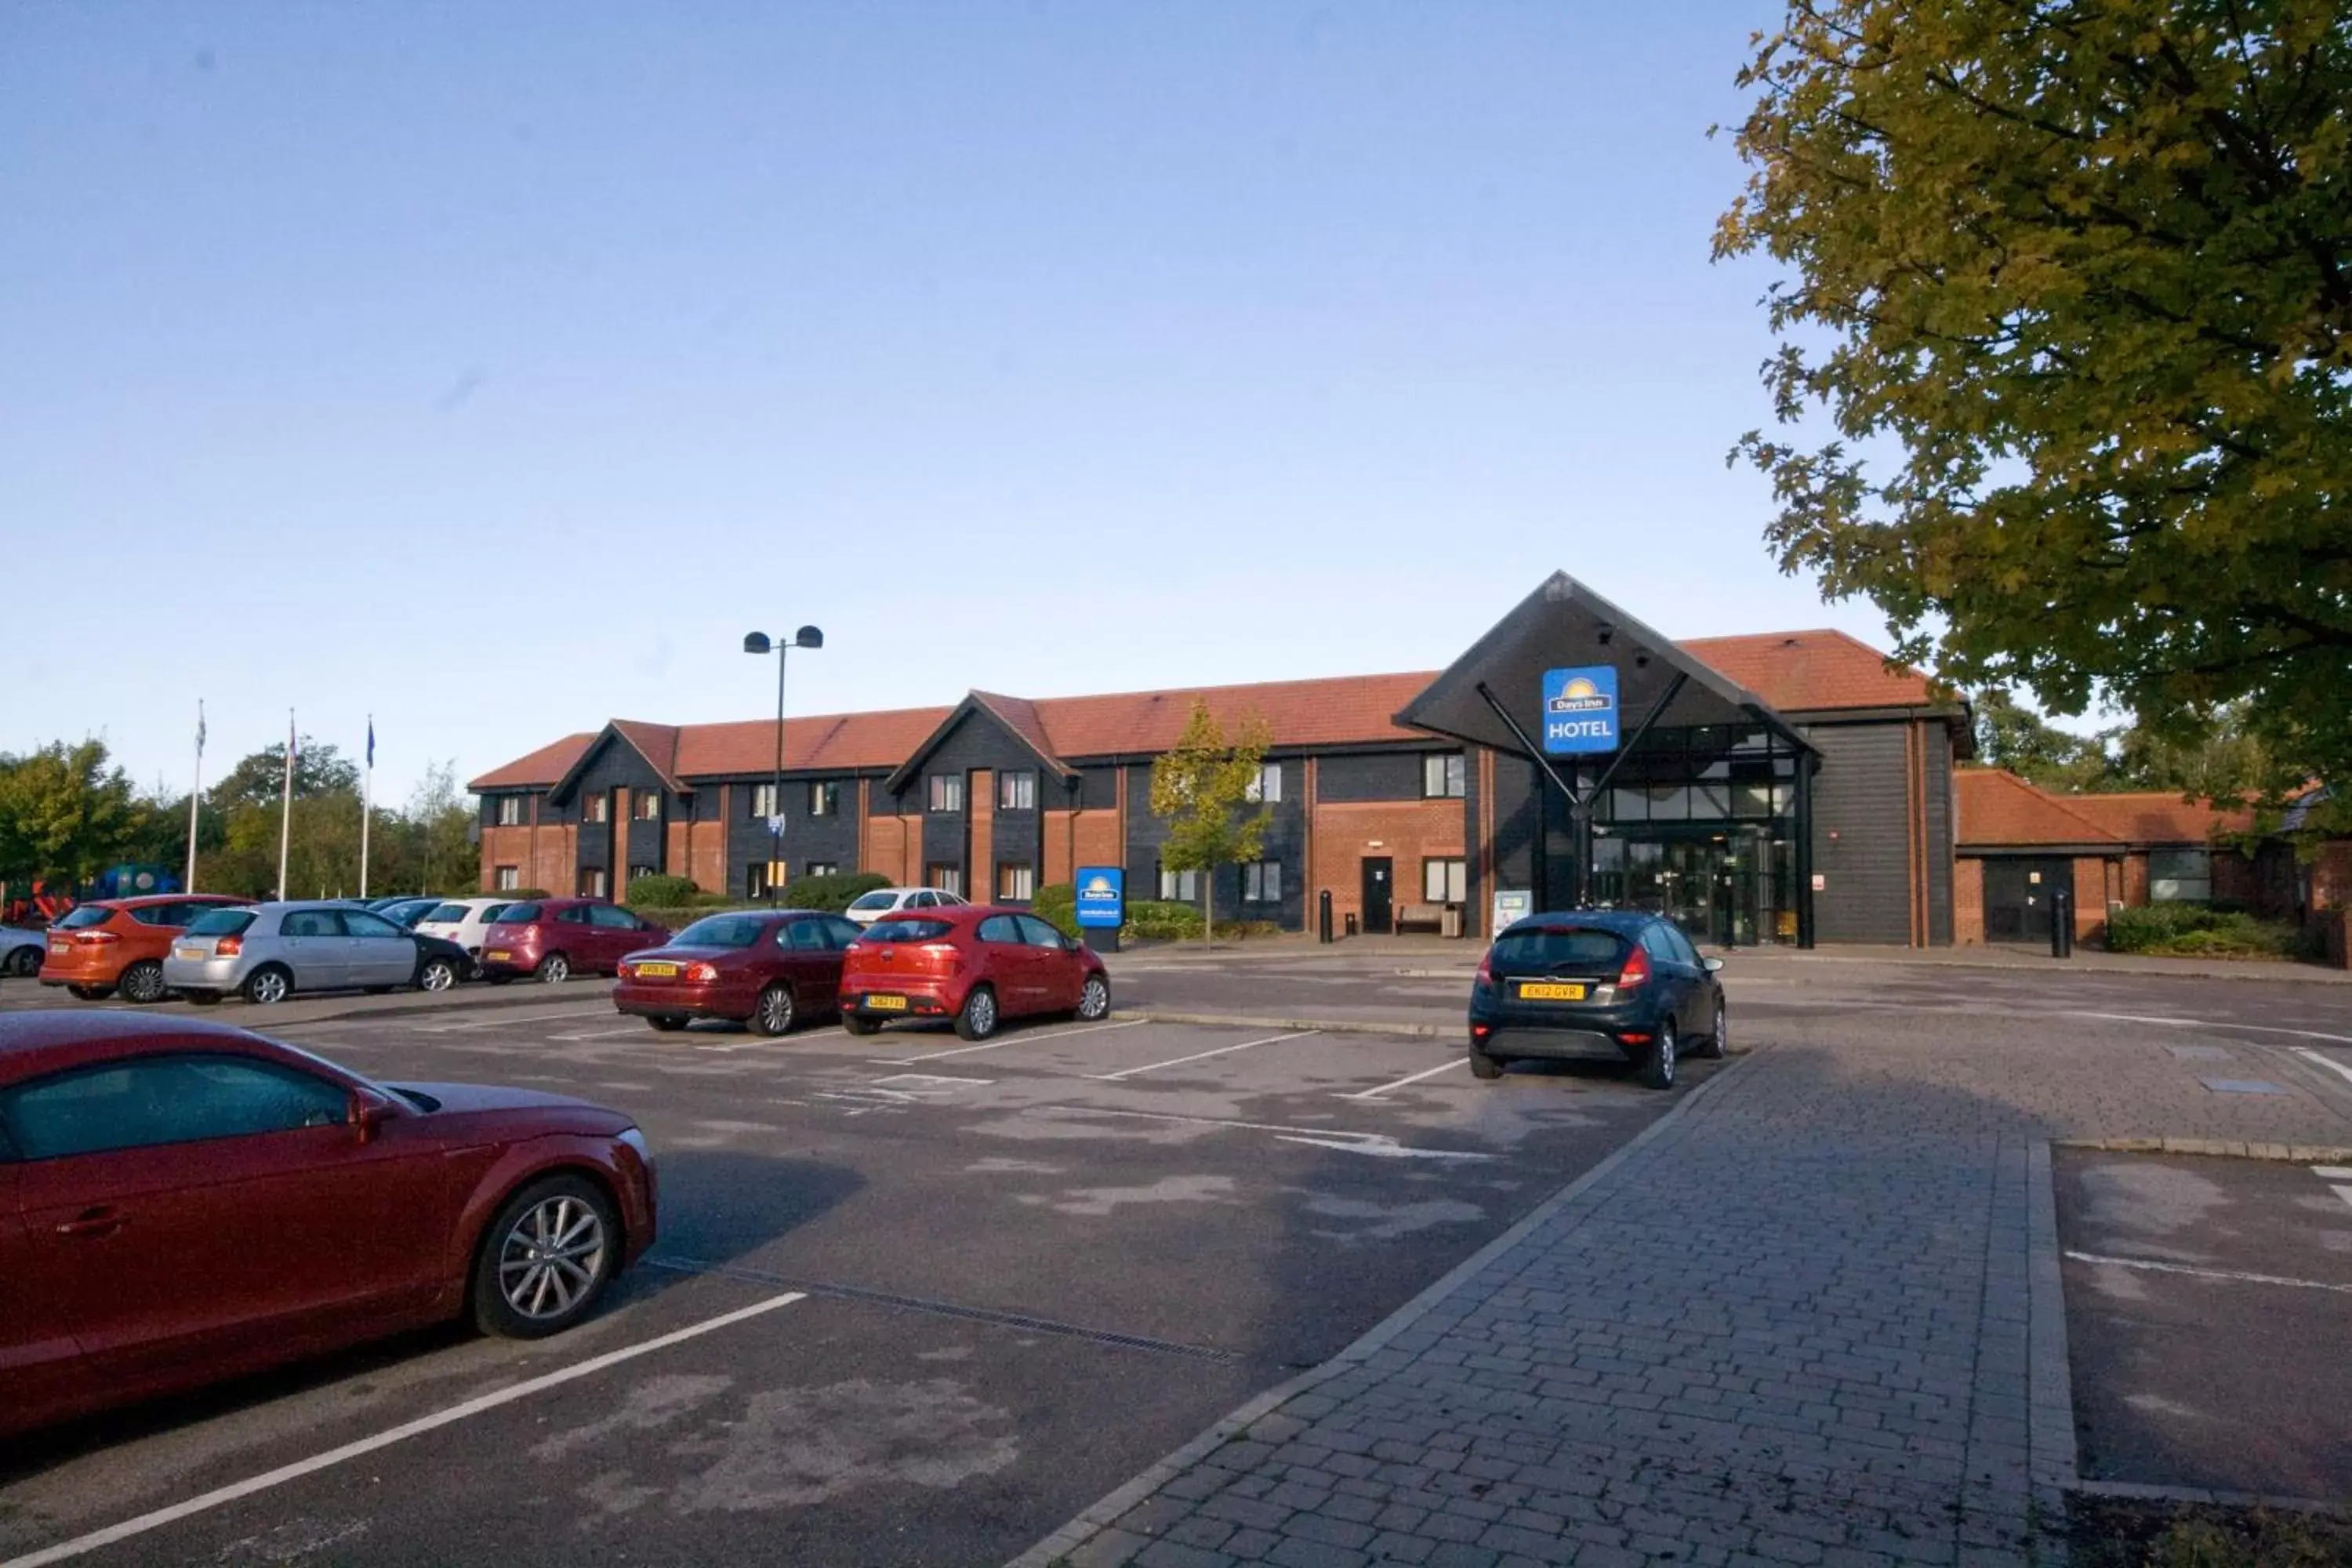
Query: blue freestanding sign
point(1102, 897)
point(1580, 710)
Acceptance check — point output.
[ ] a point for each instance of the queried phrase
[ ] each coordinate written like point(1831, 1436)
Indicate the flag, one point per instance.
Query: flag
point(371, 739)
point(290, 745)
point(200, 726)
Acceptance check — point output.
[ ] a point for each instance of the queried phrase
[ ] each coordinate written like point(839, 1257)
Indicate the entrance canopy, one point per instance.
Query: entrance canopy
point(1552, 664)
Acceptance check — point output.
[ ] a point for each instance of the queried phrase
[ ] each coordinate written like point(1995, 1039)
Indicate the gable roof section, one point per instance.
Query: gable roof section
point(2160, 818)
point(541, 767)
point(1348, 709)
point(1996, 808)
point(849, 742)
point(657, 744)
point(1813, 671)
point(1017, 715)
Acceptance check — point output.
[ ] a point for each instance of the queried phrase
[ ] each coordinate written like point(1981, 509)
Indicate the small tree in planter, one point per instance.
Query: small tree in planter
point(1202, 787)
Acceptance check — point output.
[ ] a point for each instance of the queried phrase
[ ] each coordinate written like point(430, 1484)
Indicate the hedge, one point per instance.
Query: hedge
point(677, 916)
point(2203, 930)
point(665, 893)
point(1152, 920)
point(1056, 904)
point(832, 894)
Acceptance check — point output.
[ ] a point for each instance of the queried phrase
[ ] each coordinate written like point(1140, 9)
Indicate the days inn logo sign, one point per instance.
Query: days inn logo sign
point(1101, 897)
point(1580, 710)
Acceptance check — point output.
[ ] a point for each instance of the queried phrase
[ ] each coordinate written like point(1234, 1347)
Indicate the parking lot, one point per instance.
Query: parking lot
point(997, 1280)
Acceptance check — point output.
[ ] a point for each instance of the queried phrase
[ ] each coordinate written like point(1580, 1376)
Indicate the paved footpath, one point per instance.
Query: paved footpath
point(1813, 1317)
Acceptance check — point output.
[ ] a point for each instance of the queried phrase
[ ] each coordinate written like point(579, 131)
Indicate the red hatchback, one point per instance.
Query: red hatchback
point(182, 1202)
point(977, 966)
point(556, 938)
point(769, 970)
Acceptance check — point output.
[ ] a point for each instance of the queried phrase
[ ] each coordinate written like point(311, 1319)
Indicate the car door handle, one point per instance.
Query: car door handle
point(93, 1223)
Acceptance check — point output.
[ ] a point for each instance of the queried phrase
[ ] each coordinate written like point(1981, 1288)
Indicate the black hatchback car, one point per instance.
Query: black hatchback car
point(1595, 983)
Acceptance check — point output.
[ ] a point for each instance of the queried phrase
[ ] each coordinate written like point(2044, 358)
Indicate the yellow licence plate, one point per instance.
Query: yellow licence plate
point(656, 970)
point(498, 955)
point(887, 1004)
point(1548, 991)
point(189, 951)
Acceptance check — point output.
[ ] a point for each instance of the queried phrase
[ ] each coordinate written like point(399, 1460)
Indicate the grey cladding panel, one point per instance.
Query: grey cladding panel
point(1861, 837)
point(1376, 775)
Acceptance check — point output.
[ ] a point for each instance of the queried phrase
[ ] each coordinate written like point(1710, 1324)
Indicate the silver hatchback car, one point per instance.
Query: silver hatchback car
point(268, 951)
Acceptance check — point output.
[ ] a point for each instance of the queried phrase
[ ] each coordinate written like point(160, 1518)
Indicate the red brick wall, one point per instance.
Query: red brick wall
point(890, 846)
point(543, 856)
point(1968, 903)
point(1342, 833)
point(2091, 893)
point(2331, 877)
point(980, 876)
point(1095, 834)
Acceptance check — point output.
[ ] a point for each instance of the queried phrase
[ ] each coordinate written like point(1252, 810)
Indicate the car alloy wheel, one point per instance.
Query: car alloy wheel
point(438, 975)
point(774, 1015)
point(24, 963)
point(554, 968)
point(977, 1021)
point(1658, 1066)
point(268, 987)
point(1093, 1001)
point(144, 982)
point(551, 1257)
point(1719, 1041)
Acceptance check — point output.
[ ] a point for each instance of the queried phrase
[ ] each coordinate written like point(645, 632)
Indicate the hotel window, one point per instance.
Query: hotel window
point(755, 879)
point(509, 811)
point(507, 880)
point(1016, 880)
point(1442, 776)
point(763, 802)
point(592, 882)
point(1267, 785)
point(1445, 881)
point(646, 805)
point(821, 869)
point(947, 878)
point(824, 798)
point(2179, 876)
point(638, 871)
point(1261, 881)
point(596, 807)
point(1179, 887)
point(1016, 790)
point(947, 792)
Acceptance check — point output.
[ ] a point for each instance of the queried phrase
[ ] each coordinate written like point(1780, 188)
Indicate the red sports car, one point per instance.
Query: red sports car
point(182, 1202)
point(978, 965)
point(768, 969)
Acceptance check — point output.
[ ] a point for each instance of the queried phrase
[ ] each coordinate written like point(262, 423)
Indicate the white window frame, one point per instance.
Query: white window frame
point(509, 811)
point(1016, 790)
point(764, 801)
point(821, 869)
point(1179, 887)
point(944, 793)
point(1445, 879)
point(945, 878)
point(505, 879)
point(1267, 786)
point(1450, 771)
point(596, 807)
point(1016, 881)
point(825, 797)
point(639, 801)
point(1261, 881)
point(2176, 889)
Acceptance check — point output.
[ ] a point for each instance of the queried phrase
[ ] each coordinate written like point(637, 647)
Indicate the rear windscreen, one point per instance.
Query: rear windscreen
point(1545, 949)
point(721, 931)
point(876, 901)
point(906, 931)
point(220, 923)
point(446, 914)
point(517, 914)
point(86, 915)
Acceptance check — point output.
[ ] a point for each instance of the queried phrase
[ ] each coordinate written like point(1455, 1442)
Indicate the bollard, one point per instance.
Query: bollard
point(2062, 924)
point(1323, 915)
point(1351, 923)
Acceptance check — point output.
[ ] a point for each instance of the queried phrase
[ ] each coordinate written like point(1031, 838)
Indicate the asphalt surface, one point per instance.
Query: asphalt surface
point(986, 1286)
point(2209, 1306)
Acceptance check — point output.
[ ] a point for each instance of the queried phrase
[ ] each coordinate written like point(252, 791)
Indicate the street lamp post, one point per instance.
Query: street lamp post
point(760, 643)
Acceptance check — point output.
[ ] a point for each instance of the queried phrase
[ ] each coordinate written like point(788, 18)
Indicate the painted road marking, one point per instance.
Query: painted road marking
point(1199, 1056)
point(83, 1544)
point(501, 1024)
point(756, 1041)
point(2307, 1054)
point(2333, 1173)
point(2212, 1024)
point(1376, 1143)
point(2343, 1193)
point(2153, 1267)
point(1412, 1077)
point(994, 1045)
point(638, 1029)
point(914, 1079)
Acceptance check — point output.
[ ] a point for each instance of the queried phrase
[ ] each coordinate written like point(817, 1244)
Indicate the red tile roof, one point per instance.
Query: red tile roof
point(1801, 672)
point(1793, 672)
point(1995, 807)
point(2161, 816)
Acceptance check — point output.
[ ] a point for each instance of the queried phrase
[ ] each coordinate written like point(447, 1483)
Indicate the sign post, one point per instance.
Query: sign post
point(1101, 905)
point(1580, 719)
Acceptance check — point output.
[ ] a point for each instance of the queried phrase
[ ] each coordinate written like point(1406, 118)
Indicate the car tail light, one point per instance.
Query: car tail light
point(1486, 968)
point(228, 947)
point(702, 974)
point(1636, 971)
point(94, 937)
point(1634, 1037)
point(947, 950)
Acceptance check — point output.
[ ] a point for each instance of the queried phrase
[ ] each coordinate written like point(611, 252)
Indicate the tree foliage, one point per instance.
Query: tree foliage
point(1204, 788)
point(2222, 762)
point(64, 813)
point(2082, 271)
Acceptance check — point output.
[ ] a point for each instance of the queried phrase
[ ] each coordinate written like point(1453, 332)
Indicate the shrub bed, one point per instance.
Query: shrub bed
point(1056, 904)
point(677, 916)
point(832, 894)
point(663, 892)
point(2203, 930)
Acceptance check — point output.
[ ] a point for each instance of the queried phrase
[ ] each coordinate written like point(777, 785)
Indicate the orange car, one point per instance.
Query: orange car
point(120, 943)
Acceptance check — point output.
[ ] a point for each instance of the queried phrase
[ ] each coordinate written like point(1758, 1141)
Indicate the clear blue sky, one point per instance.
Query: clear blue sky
point(495, 368)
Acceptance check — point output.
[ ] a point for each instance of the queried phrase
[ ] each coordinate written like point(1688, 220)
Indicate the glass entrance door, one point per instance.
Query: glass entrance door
point(1732, 889)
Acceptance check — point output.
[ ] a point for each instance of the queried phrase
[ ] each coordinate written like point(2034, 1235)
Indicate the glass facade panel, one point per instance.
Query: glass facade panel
point(1697, 825)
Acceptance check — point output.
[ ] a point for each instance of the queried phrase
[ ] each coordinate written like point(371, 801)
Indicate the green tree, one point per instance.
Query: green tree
point(258, 776)
point(1203, 787)
point(2080, 271)
point(2011, 735)
point(439, 821)
point(64, 813)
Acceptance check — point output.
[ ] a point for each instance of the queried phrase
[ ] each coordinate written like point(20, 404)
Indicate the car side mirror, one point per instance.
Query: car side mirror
point(1712, 964)
point(368, 1114)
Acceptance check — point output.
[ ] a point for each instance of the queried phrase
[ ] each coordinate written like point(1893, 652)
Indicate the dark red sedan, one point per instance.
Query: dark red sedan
point(978, 965)
point(554, 938)
point(182, 1202)
point(767, 969)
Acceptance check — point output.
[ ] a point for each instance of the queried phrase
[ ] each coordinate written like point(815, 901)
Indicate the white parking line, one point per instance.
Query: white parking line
point(501, 1023)
point(992, 1045)
point(2333, 1173)
point(1381, 1143)
point(2212, 1024)
point(1199, 1056)
point(2153, 1267)
point(83, 1544)
point(1371, 1093)
point(756, 1041)
point(2307, 1054)
point(638, 1028)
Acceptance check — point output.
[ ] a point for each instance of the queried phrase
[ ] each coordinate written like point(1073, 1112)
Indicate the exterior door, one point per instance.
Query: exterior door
point(381, 953)
point(214, 1208)
point(1379, 894)
point(316, 949)
point(41, 1364)
point(2017, 895)
point(1012, 962)
point(813, 962)
point(1057, 967)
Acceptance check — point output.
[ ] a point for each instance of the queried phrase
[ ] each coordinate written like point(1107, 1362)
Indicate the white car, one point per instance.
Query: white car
point(461, 920)
point(21, 950)
point(881, 901)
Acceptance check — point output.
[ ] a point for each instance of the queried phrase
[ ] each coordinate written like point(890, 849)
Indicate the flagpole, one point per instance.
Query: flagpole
point(286, 815)
point(367, 800)
point(195, 793)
